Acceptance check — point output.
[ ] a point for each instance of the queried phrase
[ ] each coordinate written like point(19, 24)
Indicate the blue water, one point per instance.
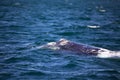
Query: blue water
point(25, 24)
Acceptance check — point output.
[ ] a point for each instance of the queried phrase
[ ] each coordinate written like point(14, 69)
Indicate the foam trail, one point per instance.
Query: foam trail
point(109, 54)
point(38, 47)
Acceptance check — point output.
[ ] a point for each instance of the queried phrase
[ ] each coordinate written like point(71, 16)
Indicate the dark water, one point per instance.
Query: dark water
point(25, 24)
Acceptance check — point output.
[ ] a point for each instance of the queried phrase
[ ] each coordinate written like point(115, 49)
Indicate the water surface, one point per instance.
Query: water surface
point(27, 24)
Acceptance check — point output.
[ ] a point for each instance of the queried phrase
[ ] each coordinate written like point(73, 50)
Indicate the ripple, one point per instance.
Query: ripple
point(14, 59)
point(70, 65)
point(27, 24)
point(33, 73)
point(68, 33)
point(5, 76)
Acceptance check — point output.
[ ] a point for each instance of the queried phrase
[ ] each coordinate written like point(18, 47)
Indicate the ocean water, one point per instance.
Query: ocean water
point(26, 24)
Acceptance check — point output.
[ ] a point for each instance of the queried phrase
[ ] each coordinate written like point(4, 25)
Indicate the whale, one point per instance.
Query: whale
point(79, 48)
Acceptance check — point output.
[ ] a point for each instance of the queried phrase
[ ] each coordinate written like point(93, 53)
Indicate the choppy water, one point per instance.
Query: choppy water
point(27, 24)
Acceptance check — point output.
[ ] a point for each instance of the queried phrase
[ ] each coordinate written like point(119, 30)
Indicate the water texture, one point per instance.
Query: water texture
point(25, 24)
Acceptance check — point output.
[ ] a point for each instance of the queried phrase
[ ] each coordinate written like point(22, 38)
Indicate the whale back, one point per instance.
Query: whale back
point(75, 47)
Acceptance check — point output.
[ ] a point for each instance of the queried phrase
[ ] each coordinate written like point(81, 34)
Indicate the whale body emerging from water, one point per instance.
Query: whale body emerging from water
point(79, 48)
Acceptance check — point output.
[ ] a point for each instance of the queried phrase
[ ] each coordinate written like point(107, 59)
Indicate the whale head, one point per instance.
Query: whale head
point(55, 45)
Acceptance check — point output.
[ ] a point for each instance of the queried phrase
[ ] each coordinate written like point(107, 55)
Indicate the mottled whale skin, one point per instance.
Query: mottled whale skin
point(79, 48)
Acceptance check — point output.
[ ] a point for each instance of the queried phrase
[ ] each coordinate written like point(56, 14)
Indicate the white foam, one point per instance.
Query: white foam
point(109, 54)
point(17, 4)
point(51, 43)
point(102, 10)
point(93, 26)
